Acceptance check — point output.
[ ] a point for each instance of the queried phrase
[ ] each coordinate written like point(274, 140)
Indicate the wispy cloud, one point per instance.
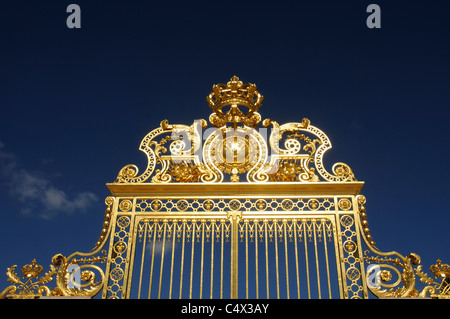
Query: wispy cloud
point(36, 193)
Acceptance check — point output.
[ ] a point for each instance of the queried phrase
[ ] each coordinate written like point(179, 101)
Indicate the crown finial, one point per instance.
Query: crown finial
point(234, 94)
point(31, 270)
point(440, 270)
point(234, 78)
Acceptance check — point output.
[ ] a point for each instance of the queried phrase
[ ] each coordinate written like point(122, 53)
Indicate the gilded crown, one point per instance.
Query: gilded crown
point(440, 270)
point(235, 93)
point(32, 270)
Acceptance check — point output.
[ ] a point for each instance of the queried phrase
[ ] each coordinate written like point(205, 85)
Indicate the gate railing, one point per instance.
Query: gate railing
point(236, 247)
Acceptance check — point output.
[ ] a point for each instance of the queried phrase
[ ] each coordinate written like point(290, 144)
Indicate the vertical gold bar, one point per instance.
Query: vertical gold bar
point(234, 255)
point(111, 234)
point(174, 230)
point(267, 259)
point(246, 258)
point(162, 258)
point(317, 259)
point(182, 257)
point(130, 254)
point(155, 224)
point(306, 259)
point(286, 259)
point(213, 223)
point(275, 225)
point(296, 258)
point(201, 261)
point(194, 225)
point(337, 237)
point(222, 222)
point(255, 225)
point(142, 260)
point(358, 253)
point(326, 258)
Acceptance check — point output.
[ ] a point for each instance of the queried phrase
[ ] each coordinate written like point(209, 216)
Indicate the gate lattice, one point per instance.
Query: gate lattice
point(238, 248)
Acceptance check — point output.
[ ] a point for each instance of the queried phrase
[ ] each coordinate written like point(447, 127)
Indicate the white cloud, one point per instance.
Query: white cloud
point(24, 185)
point(36, 193)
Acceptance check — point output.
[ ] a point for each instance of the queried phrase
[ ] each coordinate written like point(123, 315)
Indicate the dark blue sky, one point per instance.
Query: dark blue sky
point(75, 104)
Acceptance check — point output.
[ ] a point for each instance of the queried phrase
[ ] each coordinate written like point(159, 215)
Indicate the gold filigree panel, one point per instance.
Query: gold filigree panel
point(155, 205)
point(235, 149)
point(118, 259)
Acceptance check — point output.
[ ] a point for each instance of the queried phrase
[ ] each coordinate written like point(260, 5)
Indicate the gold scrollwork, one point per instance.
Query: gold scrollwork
point(91, 285)
point(397, 275)
point(35, 286)
point(235, 150)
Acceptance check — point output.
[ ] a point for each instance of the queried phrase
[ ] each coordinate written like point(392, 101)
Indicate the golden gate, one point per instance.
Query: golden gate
point(234, 210)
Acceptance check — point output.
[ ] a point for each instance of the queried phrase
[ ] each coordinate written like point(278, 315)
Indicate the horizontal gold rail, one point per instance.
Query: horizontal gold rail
point(230, 190)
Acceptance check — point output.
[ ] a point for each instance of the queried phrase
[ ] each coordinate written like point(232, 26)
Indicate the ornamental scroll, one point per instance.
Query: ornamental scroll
point(234, 149)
